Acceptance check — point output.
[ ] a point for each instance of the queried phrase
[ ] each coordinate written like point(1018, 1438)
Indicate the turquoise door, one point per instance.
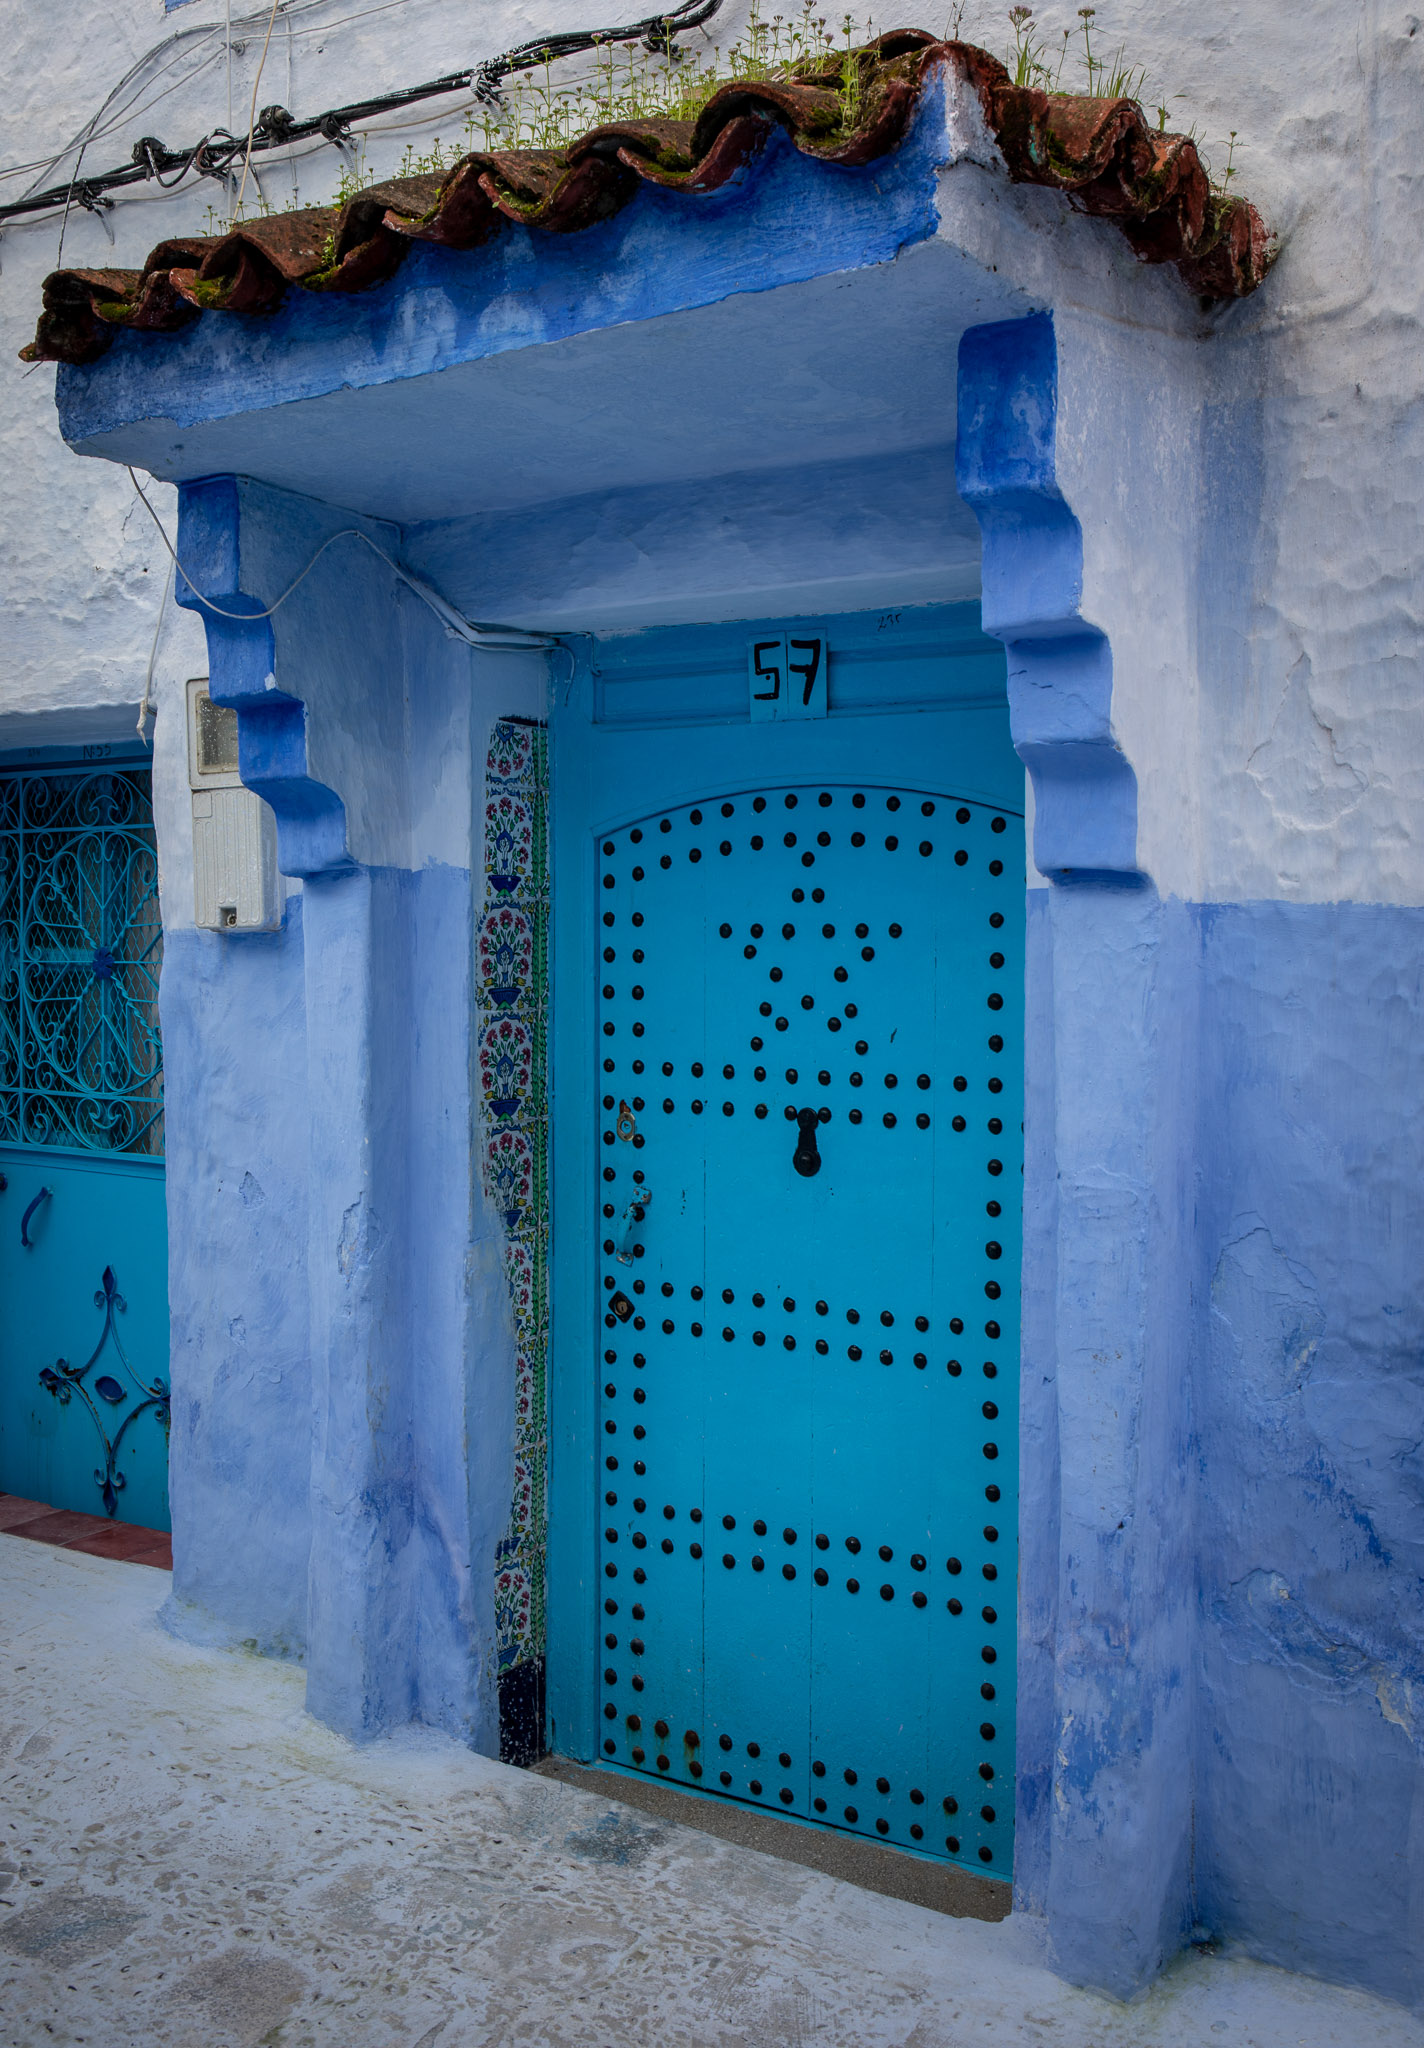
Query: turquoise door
point(83, 1227)
point(798, 1332)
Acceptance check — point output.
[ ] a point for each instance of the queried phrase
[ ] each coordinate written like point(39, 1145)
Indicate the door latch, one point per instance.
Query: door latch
point(632, 1216)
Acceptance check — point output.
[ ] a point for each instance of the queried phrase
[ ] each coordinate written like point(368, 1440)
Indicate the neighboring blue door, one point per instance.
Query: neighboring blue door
point(83, 1228)
point(804, 1052)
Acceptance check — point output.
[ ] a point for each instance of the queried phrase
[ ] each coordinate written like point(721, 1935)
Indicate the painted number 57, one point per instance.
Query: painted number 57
point(786, 676)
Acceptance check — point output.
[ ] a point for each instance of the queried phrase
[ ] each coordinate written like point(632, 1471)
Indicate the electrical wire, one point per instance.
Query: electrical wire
point(68, 202)
point(455, 623)
point(97, 127)
point(215, 156)
point(532, 53)
point(145, 708)
point(252, 110)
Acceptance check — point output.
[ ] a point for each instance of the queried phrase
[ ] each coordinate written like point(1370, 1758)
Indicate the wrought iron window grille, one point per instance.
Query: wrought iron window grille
point(81, 944)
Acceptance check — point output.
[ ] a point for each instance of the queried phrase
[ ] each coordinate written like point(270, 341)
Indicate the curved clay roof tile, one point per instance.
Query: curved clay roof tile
point(1100, 152)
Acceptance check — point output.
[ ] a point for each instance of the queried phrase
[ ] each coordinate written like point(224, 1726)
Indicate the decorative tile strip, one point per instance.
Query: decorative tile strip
point(511, 965)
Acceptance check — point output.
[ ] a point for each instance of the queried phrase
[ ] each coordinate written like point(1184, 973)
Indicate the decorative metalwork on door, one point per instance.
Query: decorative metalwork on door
point(80, 951)
point(809, 1039)
point(81, 1144)
point(64, 1381)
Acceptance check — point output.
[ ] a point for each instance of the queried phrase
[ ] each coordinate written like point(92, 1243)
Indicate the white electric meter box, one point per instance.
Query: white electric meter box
point(236, 883)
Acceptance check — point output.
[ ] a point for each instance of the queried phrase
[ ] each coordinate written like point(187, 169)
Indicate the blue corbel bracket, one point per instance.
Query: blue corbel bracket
point(1060, 667)
point(242, 663)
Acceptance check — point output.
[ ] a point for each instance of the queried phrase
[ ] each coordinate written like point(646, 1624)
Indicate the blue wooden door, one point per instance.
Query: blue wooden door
point(800, 1323)
point(83, 1230)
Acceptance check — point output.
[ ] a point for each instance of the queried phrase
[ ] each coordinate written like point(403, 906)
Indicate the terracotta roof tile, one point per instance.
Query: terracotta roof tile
point(1100, 152)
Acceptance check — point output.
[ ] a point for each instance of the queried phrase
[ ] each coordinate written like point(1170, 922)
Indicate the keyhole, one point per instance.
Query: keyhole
point(806, 1159)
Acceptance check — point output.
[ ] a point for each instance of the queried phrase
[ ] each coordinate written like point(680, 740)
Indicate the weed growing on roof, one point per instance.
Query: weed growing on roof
point(547, 109)
point(1230, 172)
point(1105, 78)
point(552, 106)
point(1032, 62)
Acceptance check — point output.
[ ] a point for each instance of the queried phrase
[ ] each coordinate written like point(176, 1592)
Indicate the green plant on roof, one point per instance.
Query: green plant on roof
point(1030, 63)
point(551, 107)
point(672, 80)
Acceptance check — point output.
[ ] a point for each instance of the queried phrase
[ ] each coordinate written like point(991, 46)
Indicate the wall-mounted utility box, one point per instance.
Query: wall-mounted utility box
point(236, 883)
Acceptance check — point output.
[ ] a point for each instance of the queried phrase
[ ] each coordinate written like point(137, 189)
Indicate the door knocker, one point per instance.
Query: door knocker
point(806, 1159)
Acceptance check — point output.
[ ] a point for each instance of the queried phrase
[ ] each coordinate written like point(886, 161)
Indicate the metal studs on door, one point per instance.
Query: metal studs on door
point(845, 957)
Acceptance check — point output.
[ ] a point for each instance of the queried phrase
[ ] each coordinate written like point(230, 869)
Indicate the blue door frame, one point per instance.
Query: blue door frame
point(83, 1224)
point(656, 724)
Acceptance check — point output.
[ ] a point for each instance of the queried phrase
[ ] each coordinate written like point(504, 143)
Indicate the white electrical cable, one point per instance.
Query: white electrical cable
point(96, 127)
point(455, 623)
point(90, 194)
point(252, 110)
point(199, 33)
point(145, 709)
point(93, 130)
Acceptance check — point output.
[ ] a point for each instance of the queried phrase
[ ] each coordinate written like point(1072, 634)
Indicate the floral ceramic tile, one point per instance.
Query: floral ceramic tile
point(511, 992)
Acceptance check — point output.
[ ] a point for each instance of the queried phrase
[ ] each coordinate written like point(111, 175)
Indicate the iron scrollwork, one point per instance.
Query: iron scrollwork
point(64, 1381)
point(81, 1060)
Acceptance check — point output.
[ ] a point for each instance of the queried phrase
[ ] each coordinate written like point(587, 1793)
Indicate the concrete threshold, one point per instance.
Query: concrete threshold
point(939, 1887)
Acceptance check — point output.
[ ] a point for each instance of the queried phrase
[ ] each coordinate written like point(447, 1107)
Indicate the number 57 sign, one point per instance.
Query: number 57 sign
point(786, 677)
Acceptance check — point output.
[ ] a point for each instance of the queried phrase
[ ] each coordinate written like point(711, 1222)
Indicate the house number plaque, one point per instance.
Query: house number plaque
point(786, 677)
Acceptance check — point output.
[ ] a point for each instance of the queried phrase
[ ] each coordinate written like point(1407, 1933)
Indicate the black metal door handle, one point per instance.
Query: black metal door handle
point(25, 1239)
point(806, 1159)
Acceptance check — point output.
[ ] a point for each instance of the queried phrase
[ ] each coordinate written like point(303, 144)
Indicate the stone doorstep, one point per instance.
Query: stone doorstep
point(93, 1534)
point(873, 1866)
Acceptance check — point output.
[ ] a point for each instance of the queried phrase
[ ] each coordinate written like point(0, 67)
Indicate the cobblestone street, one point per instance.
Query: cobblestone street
point(189, 1861)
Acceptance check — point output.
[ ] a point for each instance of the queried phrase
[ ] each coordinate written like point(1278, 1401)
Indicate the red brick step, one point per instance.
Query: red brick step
point(93, 1534)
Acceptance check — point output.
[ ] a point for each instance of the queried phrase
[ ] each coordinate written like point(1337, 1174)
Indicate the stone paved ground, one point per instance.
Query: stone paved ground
point(187, 1861)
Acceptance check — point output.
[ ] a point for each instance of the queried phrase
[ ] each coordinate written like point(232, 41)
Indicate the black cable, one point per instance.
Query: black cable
point(216, 154)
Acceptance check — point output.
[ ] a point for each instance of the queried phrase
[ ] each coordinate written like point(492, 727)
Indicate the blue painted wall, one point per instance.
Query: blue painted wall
point(234, 1029)
point(1222, 1612)
point(1307, 1391)
point(1217, 1643)
point(1222, 1595)
point(409, 1417)
point(326, 1206)
point(1106, 1616)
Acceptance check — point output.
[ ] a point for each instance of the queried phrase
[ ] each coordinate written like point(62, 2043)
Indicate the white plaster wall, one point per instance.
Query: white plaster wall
point(1277, 748)
point(1269, 698)
point(82, 570)
point(1314, 735)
